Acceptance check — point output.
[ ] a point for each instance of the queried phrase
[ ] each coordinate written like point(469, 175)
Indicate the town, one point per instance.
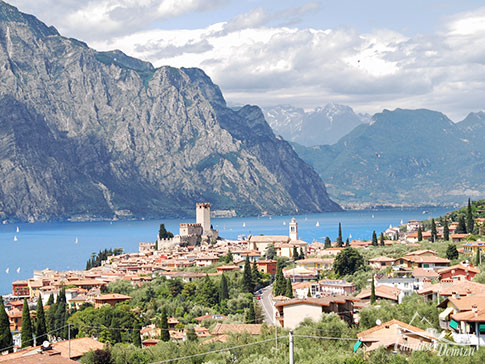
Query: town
point(416, 288)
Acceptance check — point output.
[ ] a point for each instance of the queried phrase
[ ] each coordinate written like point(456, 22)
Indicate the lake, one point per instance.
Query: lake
point(67, 246)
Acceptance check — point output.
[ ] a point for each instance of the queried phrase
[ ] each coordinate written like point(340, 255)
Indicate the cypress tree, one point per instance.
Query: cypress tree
point(328, 243)
point(420, 234)
point(289, 289)
point(135, 335)
point(26, 332)
point(279, 284)
point(50, 300)
point(247, 277)
point(374, 238)
point(6, 340)
point(301, 255)
point(40, 326)
point(165, 335)
point(470, 223)
point(478, 257)
point(256, 275)
point(295, 253)
point(223, 289)
point(60, 317)
point(229, 257)
point(461, 228)
point(434, 233)
point(347, 242)
point(191, 335)
point(339, 237)
point(251, 315)
point(381, 240)
point(114, 331)
point(451, 252)
point(372, 291)
point(446, 231)
point(270, 252)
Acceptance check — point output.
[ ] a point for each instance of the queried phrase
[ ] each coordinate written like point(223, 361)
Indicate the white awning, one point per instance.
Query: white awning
point(445, 313)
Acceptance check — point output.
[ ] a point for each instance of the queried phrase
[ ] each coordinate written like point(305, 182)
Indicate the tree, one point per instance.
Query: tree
point(478, 257)
point(256, 275)
point(461, 228)
point(60, 315)
point(374, 238)
point(289, 288)
point(347, 242)
point(229, 257)
point(40, 326)
point(446, 231)
point(223, 289)
point(420, 234)
point(163, 233)
point(270, 252)
point(101, 356)
point(328, 243)
point(434, 233)
point(348, 261)
point(251, 315)
point(301, 255)
point(135, 335)
point(6, 340)
point(247, 282)
point(279, 285)
point(50, 300)
point(207, 293)
point(451, 252)
point(372, 291)
point(339, 237)
point(469, 218)
point(381, 240)
point(165, 335)
point(27, 332)
point(191, 335)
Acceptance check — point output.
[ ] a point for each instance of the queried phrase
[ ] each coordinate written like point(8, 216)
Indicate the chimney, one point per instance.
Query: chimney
point(475, 310)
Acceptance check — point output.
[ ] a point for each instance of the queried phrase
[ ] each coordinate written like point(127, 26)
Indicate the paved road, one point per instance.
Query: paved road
point(267, 305)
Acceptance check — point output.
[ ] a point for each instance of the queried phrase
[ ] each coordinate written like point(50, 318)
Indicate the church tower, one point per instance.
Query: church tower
point(293, 230)
point(203, 217)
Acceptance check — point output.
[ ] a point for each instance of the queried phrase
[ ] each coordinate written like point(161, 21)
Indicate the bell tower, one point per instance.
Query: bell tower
point(293, 229)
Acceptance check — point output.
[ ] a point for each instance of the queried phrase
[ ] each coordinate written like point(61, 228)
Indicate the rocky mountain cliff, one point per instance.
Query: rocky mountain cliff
point(87, 134)
point(404, 157)
point(322, 125)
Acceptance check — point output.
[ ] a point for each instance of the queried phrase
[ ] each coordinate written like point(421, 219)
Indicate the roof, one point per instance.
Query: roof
point(269, 238)
point(252, 329)
point(382, 291)
point(470, 316)
point(462, 288)
point(315, 261)
point(386, 325)
point(425, 259)
point(322, 301)
point(465, 303)
point(113, 296)
point(45, 358)
point(422, 251)
point(459, 266)
point(425, 273)
point(382, 259)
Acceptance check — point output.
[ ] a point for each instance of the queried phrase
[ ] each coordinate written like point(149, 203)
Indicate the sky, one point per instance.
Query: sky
point(370, 55)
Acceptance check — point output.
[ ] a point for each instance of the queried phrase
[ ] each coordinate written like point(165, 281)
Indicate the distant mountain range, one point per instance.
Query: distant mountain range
point(87, 134)
point(404, 158)
point(322, 125)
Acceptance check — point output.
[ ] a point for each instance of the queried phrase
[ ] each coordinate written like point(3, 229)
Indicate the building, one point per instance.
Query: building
point(267, 266)
point(315, 264)
point(470, 326)
point(21, 289)
point(382, 292)
point(458, 272)
point(293, 229)
point(381, 262)
point(419, 261)
point(472, 248)
point(110, 299)
point(336, 287)
point(457, 304)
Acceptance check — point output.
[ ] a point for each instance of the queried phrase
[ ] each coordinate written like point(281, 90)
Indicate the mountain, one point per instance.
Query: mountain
point(404, 157)
point(87, 134)
point(322, 125)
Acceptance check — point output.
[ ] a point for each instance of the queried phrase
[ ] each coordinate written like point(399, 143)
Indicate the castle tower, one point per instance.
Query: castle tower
point(203, 216)
point(293, 230)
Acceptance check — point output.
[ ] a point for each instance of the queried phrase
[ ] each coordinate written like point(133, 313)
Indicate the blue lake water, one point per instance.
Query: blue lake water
point(53, 245)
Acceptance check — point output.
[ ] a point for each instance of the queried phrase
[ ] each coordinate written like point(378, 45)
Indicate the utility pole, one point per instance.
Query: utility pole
point(69, 341)
point(276, 336)
point(292, 360)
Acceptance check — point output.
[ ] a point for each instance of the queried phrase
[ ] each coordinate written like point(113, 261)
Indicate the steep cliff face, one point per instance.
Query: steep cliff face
point(98, 134)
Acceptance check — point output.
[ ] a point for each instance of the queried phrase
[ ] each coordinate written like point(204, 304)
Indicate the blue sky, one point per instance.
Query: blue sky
point(370, 55)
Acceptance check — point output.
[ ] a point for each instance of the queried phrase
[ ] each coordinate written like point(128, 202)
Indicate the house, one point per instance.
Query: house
point(470, 326)
point(149, 342)
point(471, 248)
point(227, 268)
point(332, 251)
point(209, 317)
point(267, 266)
point(299, 274)
point(423, 253)
point(447, 288)
point(406, 285)
point(423, 276)
point(381, 262)
point(262, 242)
point(395, 335)
point(457, 304)
point(301, 289)
point(15, 319)
point(456, 238)
point(41, 358)
point(315, 264)
point(458, 271)
point(221, 332)
point(110, 299)
point(335, 287)
point(254, 255)
point(291, 313)
point(382, 292)
point(206, 260)
point(413, 261)
point(20, 289)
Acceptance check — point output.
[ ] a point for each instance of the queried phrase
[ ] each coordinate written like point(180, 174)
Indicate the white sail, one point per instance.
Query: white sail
point(317, 224)
point(7, 270)
point(18, 230)
point(18, 270)
point(77, 240)
point(244, 224)
point(284, 222)
point(350, 236)
point(15, 238)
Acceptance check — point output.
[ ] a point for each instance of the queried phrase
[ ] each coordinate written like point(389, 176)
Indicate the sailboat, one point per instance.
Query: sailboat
point(244, 224)
point(372, 215)
point(15, 238)
point(76, 241)
point(18, 270)
point(317, 224)
point(350, 236)
point(284, 222)
point(7, 270)
point(402, 222)
point(18, 230)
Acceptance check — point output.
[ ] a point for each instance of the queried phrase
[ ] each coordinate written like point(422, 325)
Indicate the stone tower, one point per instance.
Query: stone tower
point(293, 230)
point(203, 217)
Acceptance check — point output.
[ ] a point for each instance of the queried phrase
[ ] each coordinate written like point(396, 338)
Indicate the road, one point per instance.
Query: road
point(267, 305)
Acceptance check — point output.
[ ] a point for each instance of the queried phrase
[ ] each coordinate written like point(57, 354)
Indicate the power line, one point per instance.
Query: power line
point(32, 339)
point(326, 337)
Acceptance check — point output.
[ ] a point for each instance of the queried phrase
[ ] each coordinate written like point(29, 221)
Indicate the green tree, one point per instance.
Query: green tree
point(434, 233)
point(478, 257)
point(420, 234)
point(165, 334)
point(26, 332)
point(451, 252)
point(6, 340)
point(223, 289)
point(270, 252)
point(50, 300)
point(61, 315)
point(251, 314)
point(372, 291)
point(229, 258)
point(461, 228)
point(295, 253)
point(163, 233)
point(135, 335)
point(289, 289)
point(207, 293)
point(247, 280)
point(328, 243)
point(446, 230)
point(348, 261)
point(301, 255)
point(470, 223)
point(40, 325)
point(381, 240)
point(256, 274)
point(191, 335)
point(279, 285)
point(339, 237)
point(374, 238)
point(101, 356)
